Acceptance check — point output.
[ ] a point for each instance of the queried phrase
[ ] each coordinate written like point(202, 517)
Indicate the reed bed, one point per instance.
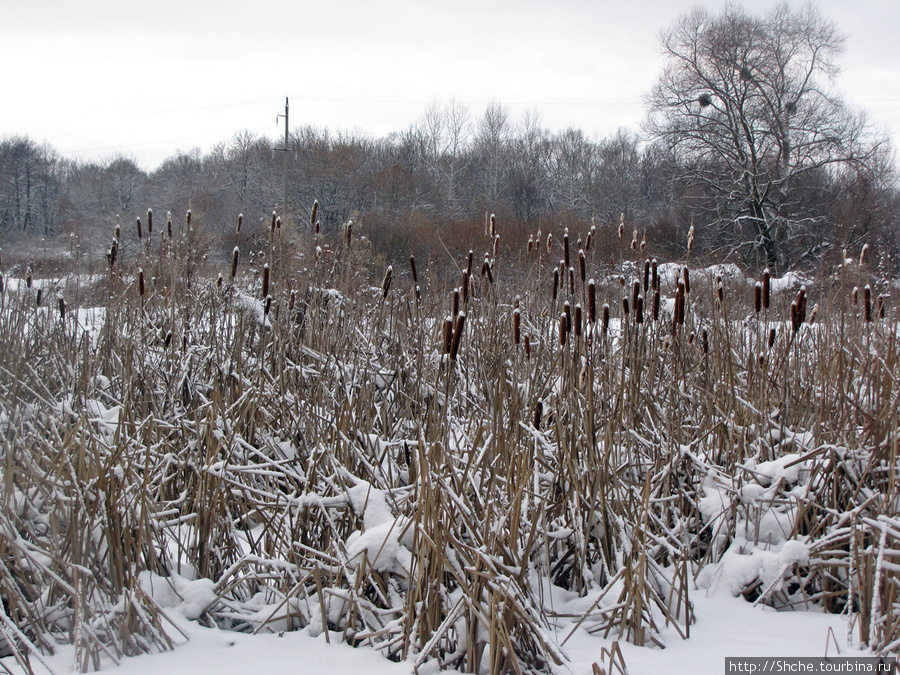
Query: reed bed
point(420, 464)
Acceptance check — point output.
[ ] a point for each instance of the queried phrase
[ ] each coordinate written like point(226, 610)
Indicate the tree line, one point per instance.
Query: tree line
point(743, 141)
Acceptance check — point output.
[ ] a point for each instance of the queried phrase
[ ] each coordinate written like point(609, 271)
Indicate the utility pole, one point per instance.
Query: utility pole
point(285, 149)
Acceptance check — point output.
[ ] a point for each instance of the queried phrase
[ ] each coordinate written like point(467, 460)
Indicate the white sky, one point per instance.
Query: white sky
point(149, 77)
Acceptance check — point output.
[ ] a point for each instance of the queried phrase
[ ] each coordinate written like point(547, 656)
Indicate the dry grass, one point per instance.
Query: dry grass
point(413, 463)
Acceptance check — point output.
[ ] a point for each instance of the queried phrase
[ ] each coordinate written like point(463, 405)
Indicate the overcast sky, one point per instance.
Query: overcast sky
point(150, 77)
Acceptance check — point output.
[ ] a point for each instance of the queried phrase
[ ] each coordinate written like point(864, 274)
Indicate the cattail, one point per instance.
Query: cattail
point(679, 304)
point(854, 296)
point(496, 245)
point(140, 231)
point(527, 342)
point(530, 243)
point(62, 308)
point(448, 334)
point(550, 243)
point(655, 313)
point(795, 317)
point(457, 335)
point(141, 282)
point(635, 292)
point(772, 333)
point(646, 275)
point(654, 274)
point(486, 269)
point(268, 305)
point(801, 304)
point(315, 211)
point(219, 281)
point(687, 281)
point(274, 218)
point(240, 222)
point(493, 230)
point(235, 254)
point(348, 233)
point(881, 304)
point(592, 301)
point(517, 326)
point(563, 332)
point(465, 287)
point(118, 234)
point(621, 225)
point(766, 288)
point(318, 226)
point(566, 246)
point(691, 238)
point(588, 241)
point(571, 281)
point(691, 338)
point(149, 223)
point(1, 284)
point(705, 339)
point(720, 293)
point(639, 309)
point(582, 266)
point(605, 324)
point(579, 320)
point(469, 260)
point(454, 302)
point(412, 267)
point(567, 312)
point(169, 224)
point(187, 219)
point(555, 282)
point(634, 240)
point(40, 296)
point(644, 241)
point(813, 314)
point(168, 339)
point(265, 281)
point(113, 252)
point(757, 297)
point(386, 281)
point(625, 305)
point(863, 254)
point(538, 415)
point(278, 223)
point(867, 302)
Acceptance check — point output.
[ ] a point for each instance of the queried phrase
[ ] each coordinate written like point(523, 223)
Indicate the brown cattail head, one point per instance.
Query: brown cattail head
point(235, 255)
point(457, 335)
point(527, 343)
point(386, 281)
point(169, 224)
point(219, 281)
point(517, 326)
point(314, 213)
point(656, 305)
point(687, 281)
point(496, 246)
point(493, 230)
point(40, 296)
point(538, 415)
point(854, 296)
point(118, 234)
point(863, 254)
point(274, 218)
point(486, 269)
point(265, 281)
point(448, 334)
point(268, 305)
point(801, 304)
point(530, 243)
point(149, 223)
point(579, 320)
point(625, 306)
point(704, 337)
point(563, 329)
point(62, 308)
point(635, 292)
point(318, 227)
point(588, 241)
point(187, 218)
point(348, 233)
point(555, 282)
point(592, 301)
point(881, 304)
point(571, 281)
point(454, 302)
point(140, 230)
point(634, 240)
point(29, 278)
point(605, 324)
point(814, 313)
point(278, 223)
point(550, 243)
point(113, 252)
point(465, 287)
point(582, 266)
point(141, 282)
point(772, 333)
point(412, 267)
point(757, 297)
point(679, 304)
point(646, 275)
point(766, 289)
point(867, 302)
point(240, 222)
point(567, 312)
point(720, 293)
point(469, 260)
point(795, 317)
point(644, 241)
point(654, 274)
point(639, 309)
point(566, 246)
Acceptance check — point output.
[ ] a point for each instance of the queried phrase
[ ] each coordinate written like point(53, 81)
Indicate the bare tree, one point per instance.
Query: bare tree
point(744, 104)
